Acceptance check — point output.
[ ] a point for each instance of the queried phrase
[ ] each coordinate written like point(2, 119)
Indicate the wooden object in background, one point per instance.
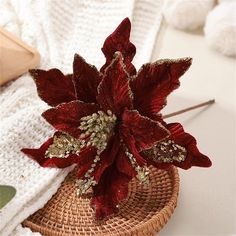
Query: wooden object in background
point(16, 57)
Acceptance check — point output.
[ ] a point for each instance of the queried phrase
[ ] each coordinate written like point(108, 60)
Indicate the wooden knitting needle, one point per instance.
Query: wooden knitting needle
point(189, 109)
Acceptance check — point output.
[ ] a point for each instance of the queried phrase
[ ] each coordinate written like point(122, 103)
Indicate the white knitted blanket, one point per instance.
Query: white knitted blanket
point(57, 29)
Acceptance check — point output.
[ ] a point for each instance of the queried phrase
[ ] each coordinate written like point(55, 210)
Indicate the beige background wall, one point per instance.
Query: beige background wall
point(207, 196)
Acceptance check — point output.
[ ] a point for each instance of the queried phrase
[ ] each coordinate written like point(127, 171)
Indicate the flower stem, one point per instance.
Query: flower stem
point(189, 109)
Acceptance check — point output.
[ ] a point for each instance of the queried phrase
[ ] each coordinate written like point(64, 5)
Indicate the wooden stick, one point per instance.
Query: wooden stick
point(189, 109)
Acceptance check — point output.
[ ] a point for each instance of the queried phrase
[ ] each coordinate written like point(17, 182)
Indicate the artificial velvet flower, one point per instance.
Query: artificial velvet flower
point(109, 123)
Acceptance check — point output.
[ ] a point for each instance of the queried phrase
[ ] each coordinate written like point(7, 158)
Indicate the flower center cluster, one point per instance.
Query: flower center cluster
point(97, 128)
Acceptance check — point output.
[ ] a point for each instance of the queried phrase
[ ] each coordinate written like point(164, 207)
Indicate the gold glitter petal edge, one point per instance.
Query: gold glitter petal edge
point(145, 212)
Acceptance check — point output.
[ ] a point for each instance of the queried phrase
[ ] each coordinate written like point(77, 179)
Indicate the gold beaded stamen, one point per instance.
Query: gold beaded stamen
point(167, 152)
point(142, 172)
point(63, 145)
point(97, 128)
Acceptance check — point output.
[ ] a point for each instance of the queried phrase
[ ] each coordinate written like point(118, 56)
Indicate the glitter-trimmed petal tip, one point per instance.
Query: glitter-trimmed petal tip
point(154, 82)
point(53, 86)
point(39, 154)
point(119, 41)
point(86, 79)
point(66, 116)
point(114, 92)
point(191, 155)
point(194, 156)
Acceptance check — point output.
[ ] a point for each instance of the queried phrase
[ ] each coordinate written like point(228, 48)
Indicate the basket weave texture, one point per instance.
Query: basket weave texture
point(143, 213)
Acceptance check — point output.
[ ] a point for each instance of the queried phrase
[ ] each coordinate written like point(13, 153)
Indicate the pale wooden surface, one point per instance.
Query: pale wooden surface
point(16, 57)
point(207, 201)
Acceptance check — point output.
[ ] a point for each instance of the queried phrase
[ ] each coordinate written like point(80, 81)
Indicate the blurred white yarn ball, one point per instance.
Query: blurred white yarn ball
point(220, 28)
point(187, 14)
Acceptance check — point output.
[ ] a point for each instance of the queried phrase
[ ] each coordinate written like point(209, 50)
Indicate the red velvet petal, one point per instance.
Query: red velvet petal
point(194, 157)
point(86, 79)
point(66, 117)
point(106, 159)
point(129, 141)
point(39, 156)
point(114, 92)
point(111, 189)
point(85, 161)
point(53, 86)
point(124, 165)
point(154, 82)
point(119, 41)
point(145, 131)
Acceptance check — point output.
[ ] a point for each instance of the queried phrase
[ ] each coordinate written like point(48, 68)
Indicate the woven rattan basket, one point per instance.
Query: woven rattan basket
point(143, 213)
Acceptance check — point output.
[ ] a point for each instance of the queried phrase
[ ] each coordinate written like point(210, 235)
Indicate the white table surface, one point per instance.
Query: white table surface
point(207, 200)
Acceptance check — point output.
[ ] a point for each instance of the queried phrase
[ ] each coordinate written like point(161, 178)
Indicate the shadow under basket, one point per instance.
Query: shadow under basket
point(146, 210)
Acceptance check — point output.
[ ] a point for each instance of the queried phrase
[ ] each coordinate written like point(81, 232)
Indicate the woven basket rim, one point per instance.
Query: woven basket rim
point(170, 205)
point(152, 225)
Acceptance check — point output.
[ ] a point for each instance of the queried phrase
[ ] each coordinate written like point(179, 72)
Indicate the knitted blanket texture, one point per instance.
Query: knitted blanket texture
point(58, 29)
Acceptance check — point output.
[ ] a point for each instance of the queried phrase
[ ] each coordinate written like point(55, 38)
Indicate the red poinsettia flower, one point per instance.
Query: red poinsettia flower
point(108, 122)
